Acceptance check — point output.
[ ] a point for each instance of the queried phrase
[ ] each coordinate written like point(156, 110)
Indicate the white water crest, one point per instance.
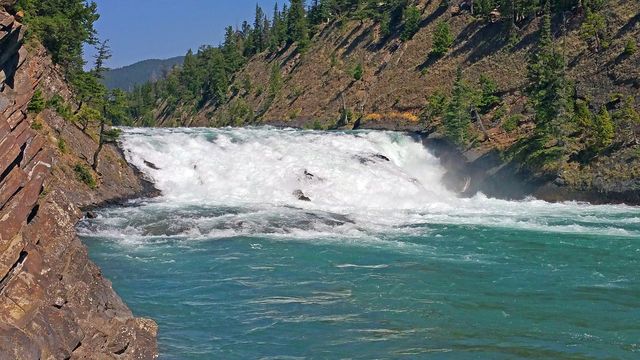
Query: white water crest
point(250, 181)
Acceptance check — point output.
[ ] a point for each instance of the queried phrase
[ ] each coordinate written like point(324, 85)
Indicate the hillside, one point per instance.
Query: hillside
point(127, 77)
point(352, 74)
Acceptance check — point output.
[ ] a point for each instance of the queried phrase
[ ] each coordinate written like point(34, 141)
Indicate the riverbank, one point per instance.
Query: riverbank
point(54, 301)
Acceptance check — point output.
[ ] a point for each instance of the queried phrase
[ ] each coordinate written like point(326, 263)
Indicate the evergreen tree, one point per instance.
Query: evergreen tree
point(442, 39)
point(117, 108)
point(231, 50)
point(488, 98)
point(604, 129)
point(275, 81)
point(62, 26)
point(190, 76)
point(548, 89)
point(411, 23)
point(457, 118)
point(259, 30)
point(103, 54)
point(628, 120)
point(217, 83)
point(278, 30)
point(297, 23)
point(593, 29)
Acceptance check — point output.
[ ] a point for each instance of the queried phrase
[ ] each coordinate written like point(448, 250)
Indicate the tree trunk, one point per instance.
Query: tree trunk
point(79, 108)
point(100, 144)
point(480, 124)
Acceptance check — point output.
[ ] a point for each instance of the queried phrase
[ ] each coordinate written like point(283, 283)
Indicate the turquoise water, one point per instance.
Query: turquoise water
point(244, 277)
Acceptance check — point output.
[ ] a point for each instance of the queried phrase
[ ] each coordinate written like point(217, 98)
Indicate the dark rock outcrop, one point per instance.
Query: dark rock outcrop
point(54, 302)
point(301, 196)
point(469, 173)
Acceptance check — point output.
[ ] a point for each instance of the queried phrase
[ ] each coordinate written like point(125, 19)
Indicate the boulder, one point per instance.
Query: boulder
point(300, 195)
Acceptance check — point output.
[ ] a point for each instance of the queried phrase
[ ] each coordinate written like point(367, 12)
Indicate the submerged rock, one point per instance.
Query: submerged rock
point(308, 176)
point(381, 157)
point(300, 195)
point(151, 165)
point(371, 158)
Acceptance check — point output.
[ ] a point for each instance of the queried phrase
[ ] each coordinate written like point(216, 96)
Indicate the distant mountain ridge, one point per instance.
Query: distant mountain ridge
point(127, 77)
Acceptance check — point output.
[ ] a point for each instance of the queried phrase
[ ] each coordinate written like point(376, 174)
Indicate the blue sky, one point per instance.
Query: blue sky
point(159, 29)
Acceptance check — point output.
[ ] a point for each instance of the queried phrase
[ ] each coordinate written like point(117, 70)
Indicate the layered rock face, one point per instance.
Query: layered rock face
point(54, 302)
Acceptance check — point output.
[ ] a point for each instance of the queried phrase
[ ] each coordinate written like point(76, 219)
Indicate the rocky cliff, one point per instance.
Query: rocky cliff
point(54, 302)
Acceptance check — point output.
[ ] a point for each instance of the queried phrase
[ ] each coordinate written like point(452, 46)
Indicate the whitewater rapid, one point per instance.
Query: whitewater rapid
point(249, 181)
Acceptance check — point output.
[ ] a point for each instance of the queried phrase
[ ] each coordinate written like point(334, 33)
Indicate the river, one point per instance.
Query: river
point(289, 244)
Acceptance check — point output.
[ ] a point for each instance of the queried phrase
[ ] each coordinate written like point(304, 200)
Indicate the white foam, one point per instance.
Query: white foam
point(343, 173)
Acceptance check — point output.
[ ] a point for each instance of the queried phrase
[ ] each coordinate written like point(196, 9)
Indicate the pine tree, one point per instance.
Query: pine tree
point(217, 82)
point(63, 27)
point(278, 30)
point(103, 54)
point(442, 39)
point(604, 129)
point(297, 23)
point(594, 29)
point(457, 118)
point(259, 30)
point(275, 81)
point(548, 89)
point(628, 119)
point(411, 24)
point(231, 50)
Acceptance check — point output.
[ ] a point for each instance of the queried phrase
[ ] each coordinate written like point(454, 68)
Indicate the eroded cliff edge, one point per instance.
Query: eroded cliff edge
point(54, 302)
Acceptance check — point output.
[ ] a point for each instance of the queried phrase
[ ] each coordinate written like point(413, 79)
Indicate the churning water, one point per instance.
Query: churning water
point(287, 244)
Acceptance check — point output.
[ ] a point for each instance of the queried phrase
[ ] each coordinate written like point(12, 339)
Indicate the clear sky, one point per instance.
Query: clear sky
point(158, 29)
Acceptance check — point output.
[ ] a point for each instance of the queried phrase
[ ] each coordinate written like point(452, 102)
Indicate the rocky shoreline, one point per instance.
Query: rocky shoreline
point(54, 302)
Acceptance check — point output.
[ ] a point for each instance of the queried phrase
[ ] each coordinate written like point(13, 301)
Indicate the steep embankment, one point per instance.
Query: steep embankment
point(54, 302)
point(398, 77)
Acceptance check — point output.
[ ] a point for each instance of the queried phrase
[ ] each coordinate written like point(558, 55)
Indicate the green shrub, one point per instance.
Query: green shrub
point(84, 174)
point(357, 72)
point(240, 113)
point(37, 103)
point(36, 125)
point(296, 92)
point(500, 113)
point(294, 114)
point(333, 60)
point(62, 146)
point(316, 125)
point(630, 47)
point(58, 104)
point(511, 123)
point(436, 106)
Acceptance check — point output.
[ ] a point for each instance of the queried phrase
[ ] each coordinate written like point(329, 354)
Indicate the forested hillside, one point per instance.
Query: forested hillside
point(127, 77)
